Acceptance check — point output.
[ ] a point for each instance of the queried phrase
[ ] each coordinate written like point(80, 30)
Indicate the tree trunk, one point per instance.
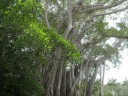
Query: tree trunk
point(58, 79)
point(63, 83)
point(86, 77)
point(102, 72)
point(50, 76)
point(91, 82)
point(103, 80)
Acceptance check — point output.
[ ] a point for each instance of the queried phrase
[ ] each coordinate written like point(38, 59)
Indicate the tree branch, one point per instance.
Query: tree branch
point(120, 37)
point(88, 44)
point(104, 58)
point(108, 13)
point(85, 27)
point(79, 9)
point(98, 7)
point(66, 33)
point(46, 14)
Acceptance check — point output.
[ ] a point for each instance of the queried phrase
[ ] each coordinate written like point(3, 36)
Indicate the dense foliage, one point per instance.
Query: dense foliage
point(24, 43)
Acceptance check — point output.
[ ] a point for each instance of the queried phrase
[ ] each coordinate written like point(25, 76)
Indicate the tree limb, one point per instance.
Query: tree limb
point(93, 8)
point(108, 13)
point(121, 37)
point(66, 33)
point(46, 14)
point(79, 9)
point(88, 44)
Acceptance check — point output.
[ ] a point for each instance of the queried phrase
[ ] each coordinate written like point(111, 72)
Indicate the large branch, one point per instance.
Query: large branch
point(99, 7)
point(104, 58)
point(97, 63)
point(69, 13)
point(116, 36)
point(84, 28)
point(112, 12)
point(80, 8)
point(91, 43)
point(46, 14)
point(62, 21)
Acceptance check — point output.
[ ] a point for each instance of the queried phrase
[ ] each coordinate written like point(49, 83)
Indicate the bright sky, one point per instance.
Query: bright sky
point(120, 74)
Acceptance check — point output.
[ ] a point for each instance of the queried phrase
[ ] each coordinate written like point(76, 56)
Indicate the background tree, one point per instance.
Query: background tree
point(114, 88)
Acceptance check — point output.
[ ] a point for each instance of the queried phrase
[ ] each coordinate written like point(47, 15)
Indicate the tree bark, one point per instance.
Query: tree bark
point(58, 79)
point(91, 82)
point(63, 83)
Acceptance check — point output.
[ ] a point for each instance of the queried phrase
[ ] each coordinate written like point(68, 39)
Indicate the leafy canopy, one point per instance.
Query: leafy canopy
point(25, 41)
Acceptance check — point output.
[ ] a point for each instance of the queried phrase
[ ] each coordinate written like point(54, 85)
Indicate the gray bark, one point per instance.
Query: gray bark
point(91, 82)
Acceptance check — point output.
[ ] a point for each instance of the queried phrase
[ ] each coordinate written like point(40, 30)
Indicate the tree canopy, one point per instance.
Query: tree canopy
point(57, 47)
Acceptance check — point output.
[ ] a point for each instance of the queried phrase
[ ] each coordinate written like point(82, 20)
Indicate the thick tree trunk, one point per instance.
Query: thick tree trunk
point(58, 79)
point(63, 83)
point(89, 88)
point(50, 81)
point(51, 75)
point(102, 83)
point(102, 72)
point(101, 77)
point(86, 77)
